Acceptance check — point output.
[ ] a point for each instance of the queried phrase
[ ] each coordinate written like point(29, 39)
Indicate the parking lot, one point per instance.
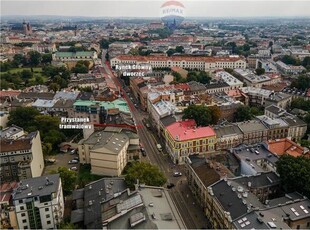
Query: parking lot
point(62, 160)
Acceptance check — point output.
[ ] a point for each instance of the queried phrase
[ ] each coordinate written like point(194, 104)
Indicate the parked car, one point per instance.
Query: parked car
point(73, 168)
point(171, 185)
point(73, 151)
point(50, 160)
point(76, 158)
point(73, 161)
point(176, 174)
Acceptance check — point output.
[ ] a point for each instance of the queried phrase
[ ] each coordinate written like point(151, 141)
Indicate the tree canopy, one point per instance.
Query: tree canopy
point(199, 76)
point(302, 82)
point(202, 114)
point(145, 172)
point(68, 179)
point(295, 174)
point(243, 113)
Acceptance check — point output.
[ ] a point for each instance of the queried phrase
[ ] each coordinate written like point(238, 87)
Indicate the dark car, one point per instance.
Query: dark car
point(171, 185)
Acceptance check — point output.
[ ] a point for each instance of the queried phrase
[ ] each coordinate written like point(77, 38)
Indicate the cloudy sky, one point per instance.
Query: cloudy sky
point(131, 8)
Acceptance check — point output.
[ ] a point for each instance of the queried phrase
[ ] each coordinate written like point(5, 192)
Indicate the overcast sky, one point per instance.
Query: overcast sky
point(131, 8)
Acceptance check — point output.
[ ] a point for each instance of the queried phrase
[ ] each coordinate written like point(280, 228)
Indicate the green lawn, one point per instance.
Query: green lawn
point(37, 72)
point(16, 70)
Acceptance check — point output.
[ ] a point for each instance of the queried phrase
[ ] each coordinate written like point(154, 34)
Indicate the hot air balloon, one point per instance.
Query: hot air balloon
point(172, 13)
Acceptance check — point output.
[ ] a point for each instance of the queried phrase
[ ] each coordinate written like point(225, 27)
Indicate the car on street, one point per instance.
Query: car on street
point(73, 151)
point(170, 185)
point(176, 174)
point(73, 161)
point(76, 158)
point(73, 168)
point(159, 147)
point(143, 151)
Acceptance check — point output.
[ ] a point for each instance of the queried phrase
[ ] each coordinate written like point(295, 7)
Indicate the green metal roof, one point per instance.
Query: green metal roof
point(118, 103)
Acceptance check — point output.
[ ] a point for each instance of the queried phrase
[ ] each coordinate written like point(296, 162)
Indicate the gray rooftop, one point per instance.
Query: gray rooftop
point(10, 131)
point(227, 130)
point(258, 181)
point(251, 126)
point(228, 199)
point(294, 121)
point(93, 194)
point(38, 186)
point(275, 110)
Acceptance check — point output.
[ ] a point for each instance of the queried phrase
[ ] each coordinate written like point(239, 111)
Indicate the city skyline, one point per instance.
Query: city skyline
point(102, 8)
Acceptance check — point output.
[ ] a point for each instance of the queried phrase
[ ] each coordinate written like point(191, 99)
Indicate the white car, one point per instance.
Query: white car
point(176, 174)
point(74, 168)
point(73, 162)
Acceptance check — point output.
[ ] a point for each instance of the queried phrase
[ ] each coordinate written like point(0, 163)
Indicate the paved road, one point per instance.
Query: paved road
point(191, 212)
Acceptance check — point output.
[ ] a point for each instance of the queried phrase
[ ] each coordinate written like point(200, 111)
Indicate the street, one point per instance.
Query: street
point(191, 212)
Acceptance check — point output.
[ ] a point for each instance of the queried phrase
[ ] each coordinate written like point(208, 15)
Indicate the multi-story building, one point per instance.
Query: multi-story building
point(286, 146)
point(21, 158)
point(71, 58)
point(228, 136)
point(39, 202)
point(188, 62)
point(279, 99)
point(13, 132)
point(297, 127)
point(277, 128)
point(108, 151)
point(255, 159)
point(229, 79)
point(256, 96)
point(289, 69)
point(251, 79)
point(184, 138)
point(253, 131)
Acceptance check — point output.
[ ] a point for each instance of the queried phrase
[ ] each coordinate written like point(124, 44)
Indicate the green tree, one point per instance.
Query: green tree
point(260, 71)
point(54, 87)
point(216, 114)
point(300, 103)
point(35, 58)
point(306, 63)
point(26, 74)
point(290, 60)
point(200, 113)
point(23, 117)
point(67, 225)
point(104, 43)
point(145, 172)
point(46, 58)
point(179, 49)
point(47, 148)
point(302, 82)
point(295, 174)
point(18, 60)
point(68, 179)
point(243, 113)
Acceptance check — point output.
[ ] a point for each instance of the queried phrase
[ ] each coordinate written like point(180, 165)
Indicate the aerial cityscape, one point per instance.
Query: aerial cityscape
point(155, 114)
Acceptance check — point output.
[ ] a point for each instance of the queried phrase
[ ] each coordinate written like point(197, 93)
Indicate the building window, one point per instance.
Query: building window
point(20, 201)
point(48, 216)
point(25, 227)
point(23, 214)
point(48, 222)
point(47, 209)
point(24, 221)
point(22, 208)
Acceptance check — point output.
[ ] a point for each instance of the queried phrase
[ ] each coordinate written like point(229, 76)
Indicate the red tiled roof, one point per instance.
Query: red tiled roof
point(285, 146)
point(178, 58)
point(182, 86)
point(10, 93)
point(15, 145)
point(185, 130)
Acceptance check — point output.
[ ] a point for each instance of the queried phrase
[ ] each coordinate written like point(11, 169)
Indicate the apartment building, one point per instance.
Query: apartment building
point(253, 131)
point(39, 202)
point(228, 136)
point(289, 69)
point(185, 62)
point(21, 158)
point(277, 128)
point(184, 138)
point(108, 151)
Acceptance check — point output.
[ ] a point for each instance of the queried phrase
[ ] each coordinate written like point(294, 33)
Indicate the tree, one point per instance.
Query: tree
point(67, 225)
point(35, 58)
point(260, 71)
point(300, 103)
point(295, 173)
point(47, 148)
point(306, 63)
point(104, 44)
point(54, 87)
point(200, 113)
point(302, 82)
point(68, 179)
point(46, 58)
point(18, 60)
point(216, 114)
point(179, 49)
point(243, 113)
point(23, 117)
point(145, 172)
point(26, 74)
point(289, 60)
